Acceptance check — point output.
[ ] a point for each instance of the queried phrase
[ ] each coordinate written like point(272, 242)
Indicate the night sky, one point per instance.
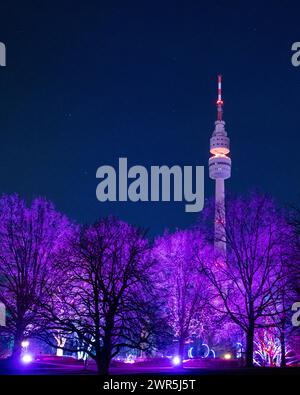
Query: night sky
point(88, 82)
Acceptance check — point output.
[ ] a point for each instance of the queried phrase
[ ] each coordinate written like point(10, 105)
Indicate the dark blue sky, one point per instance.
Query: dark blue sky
point(87, 82)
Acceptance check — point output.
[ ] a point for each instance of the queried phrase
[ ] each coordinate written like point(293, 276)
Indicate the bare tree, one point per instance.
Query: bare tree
point(30, 238)
point(107, 298)
point(294, 273)
point(186, 291)
point(249, 280)
point(294, 221)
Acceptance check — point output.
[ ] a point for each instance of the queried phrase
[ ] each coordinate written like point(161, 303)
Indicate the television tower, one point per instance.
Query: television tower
point(219, 170)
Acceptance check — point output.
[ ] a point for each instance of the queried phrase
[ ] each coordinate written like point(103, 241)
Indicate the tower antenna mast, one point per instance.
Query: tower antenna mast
point(220, 101)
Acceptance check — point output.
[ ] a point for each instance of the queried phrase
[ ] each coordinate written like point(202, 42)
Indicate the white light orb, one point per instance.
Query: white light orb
point(176, 360)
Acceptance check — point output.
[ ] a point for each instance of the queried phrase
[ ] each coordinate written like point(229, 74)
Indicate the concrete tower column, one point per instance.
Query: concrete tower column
point(220, 170)
point(220, 236)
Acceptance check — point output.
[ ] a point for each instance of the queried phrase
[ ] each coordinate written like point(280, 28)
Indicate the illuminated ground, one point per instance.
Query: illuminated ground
point(53, 368)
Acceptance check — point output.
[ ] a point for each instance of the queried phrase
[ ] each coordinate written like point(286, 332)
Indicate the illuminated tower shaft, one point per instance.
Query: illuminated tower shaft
point(220, 170)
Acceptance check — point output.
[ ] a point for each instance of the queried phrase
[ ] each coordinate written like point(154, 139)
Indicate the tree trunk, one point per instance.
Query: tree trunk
point(103, 357)
point(283, 350)
point(102, 364)
point(17, 348)
point(181, 350)
point(249, 346)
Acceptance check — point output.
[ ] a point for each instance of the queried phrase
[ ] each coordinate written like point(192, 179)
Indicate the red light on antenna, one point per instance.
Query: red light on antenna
point(219, 101)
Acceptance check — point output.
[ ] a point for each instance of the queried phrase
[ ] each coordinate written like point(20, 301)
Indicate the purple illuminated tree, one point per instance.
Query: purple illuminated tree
point(249, 282)
point(294, 274)
point(30, 239)
point(294, 221)
point(106, 299)
point(185, 290)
